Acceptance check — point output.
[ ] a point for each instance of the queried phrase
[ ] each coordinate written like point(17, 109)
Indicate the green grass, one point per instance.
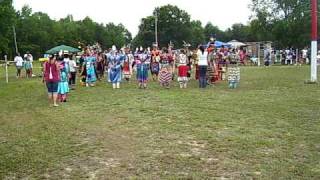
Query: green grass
point(268, 128)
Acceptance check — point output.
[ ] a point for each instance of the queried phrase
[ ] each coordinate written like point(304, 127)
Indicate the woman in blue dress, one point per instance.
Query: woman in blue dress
point(90, 61)
point(115, 60)
point(142, 63)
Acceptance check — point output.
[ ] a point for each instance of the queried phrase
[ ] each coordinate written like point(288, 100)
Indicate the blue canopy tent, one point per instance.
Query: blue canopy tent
point(219, 44)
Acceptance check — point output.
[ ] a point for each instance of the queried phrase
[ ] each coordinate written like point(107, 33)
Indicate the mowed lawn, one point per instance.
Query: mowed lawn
point(268, 128)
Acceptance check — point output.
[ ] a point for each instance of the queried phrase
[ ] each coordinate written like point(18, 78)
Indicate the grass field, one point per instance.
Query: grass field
point(269, 128)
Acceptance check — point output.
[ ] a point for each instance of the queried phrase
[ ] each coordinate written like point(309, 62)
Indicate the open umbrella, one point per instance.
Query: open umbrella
point(57, 49)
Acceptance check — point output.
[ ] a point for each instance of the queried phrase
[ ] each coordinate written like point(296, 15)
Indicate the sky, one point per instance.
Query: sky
point(222, 13)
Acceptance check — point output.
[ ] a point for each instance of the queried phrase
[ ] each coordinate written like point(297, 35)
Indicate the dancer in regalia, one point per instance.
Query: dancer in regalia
point(142, 62)
point(83, 75)
point(66, 59)
point(100, 65)
point(211, 66)
point(183, 69)
point(233, 71)
point(166, 58)
point(127, 65)
point(165, 77)
point(195, 60)
point(90, 61)
point(115, 60)
point(63, 85)
point(155, 65)
point(189, 57)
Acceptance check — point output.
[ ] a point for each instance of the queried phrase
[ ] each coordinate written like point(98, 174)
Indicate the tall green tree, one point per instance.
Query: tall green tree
point(7, 20)
point(117, 35)
point(36, 32)
point(173, 25)
point(239, 32)
point(211, 30)
point(286, 22)
point(197, 34)
point(146, 34)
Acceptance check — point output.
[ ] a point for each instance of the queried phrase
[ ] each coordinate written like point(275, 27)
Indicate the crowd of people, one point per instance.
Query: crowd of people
point(288, 56)
point(207, 64)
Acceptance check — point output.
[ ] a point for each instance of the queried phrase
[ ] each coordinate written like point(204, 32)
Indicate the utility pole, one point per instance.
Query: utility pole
point(15, 39)
point(314, 39)
point(156, 27)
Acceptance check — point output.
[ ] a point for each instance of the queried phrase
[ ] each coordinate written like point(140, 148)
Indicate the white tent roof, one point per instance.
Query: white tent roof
point(235, 43)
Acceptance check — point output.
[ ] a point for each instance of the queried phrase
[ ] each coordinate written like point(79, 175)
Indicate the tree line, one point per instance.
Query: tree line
point(37, 32)
point(284, 22)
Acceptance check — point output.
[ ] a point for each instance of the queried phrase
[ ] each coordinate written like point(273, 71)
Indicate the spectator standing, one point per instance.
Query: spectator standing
point(19, 64)
point(203, 65)
point(51, 78)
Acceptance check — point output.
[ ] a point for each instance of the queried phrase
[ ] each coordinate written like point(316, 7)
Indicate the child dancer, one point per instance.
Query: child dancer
point(63, 86)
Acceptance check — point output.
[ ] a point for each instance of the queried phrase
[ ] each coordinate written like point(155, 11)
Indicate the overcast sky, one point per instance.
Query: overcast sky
point(222, 13)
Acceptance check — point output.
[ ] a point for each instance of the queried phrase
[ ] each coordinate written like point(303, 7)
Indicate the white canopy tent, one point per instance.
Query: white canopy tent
point(236, 44)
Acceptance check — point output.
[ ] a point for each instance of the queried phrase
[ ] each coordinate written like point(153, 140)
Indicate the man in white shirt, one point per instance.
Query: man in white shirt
point(19, 64)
